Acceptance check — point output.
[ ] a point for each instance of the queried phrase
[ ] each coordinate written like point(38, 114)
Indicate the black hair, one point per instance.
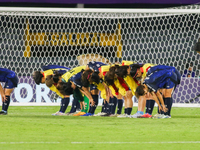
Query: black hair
point(85, 77)
point(134, 68)
point(95, 77)
point(37, 77)
point(109, 78)
point(139, 91)
point(56, 76)
point(121, 71)
point(65, 88)
point(49, 81)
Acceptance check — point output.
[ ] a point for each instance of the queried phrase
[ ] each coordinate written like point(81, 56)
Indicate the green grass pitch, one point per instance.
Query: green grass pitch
point(34, 128)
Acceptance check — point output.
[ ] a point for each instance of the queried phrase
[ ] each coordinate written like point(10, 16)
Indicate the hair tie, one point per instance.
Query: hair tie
point(88, 76)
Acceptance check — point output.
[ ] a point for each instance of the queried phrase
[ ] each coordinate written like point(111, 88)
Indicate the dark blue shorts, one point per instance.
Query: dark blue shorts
point(93, 87)
point(169, 84)
point(11, 83)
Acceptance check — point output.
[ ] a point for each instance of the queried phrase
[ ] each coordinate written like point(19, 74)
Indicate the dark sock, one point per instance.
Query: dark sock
point(129, 110)
point(125, 110)
point(107, 107)
point(96, 101)
point(103, 107)
point(110, 105)
point(168, 104)
point(78, 106)
point(114, 104)
point(150, 106)
point(64, 104)
point(120, 105)
point(73, 108)
point(147, 106)
point(6, 103)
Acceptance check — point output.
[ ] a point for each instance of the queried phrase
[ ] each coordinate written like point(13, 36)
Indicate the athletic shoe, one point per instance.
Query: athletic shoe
point(58, 114)
point(166, 116)
point(137, 115)
point(79, 114)
point(88, 114)
point(122, 115)
point(3, 112)
point(113, 115)
point(159, 116)
point(106, 115)
point(99, 114)
point(145, 116)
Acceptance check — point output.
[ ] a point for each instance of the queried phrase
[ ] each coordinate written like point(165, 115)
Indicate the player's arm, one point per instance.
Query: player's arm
point(86, 92)
point(161, 101)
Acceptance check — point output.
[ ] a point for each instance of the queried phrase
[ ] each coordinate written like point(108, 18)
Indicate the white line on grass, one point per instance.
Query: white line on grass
point(29, 142)
point(172, 142)
point(135, 142)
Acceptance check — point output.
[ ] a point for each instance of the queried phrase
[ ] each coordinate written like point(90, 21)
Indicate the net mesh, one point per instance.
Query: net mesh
point(30, 40)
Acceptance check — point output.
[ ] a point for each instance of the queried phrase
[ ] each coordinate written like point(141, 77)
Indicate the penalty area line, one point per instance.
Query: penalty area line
point(172, 142)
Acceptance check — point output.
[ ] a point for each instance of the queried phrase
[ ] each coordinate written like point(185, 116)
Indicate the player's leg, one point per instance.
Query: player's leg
point(95, 95)
point(6, 102)
point(8, 89)
point(129, 96)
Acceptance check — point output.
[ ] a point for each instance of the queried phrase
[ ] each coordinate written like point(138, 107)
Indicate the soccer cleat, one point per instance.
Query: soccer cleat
point(113, 115)
point(3, 112)
point(159, 116)
point(100, 113)
point(88, 114)
point(106, 115)
point(79, 114)
point(145, 116)
point(122, 116)
point(137, 115)
point(58, 114)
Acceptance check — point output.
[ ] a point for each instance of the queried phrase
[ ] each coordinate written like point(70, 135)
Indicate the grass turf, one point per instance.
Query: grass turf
point(34, 128)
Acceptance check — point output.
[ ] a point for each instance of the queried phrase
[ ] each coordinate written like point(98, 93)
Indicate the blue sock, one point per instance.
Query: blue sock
point(120, 105)
point(129, 110)
point(64, 104)
point(114, 104)
point(140, 112)
point(6, 103)
point(149, 106)
point(96, 100)
point(168, 104)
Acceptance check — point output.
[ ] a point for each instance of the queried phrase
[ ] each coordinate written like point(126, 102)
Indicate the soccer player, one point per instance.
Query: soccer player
point(134, 74)
point(120, 86)
point(160, 79)
point(40, 77)
point(72, 80)
point(11, 80)
point(92, 66)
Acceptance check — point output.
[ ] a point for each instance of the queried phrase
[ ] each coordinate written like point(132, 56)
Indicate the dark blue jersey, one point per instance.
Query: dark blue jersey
point(9, 77)
point(161, 76)
point(60, 69)
point(95, 65)
point(77, 79)
point(44, 68)
point(6, 74)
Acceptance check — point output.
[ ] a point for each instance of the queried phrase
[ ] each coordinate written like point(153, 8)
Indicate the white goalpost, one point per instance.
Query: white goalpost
point(33, 37)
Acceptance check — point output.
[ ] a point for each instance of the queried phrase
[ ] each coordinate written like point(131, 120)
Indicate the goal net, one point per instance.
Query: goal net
point(33, 37)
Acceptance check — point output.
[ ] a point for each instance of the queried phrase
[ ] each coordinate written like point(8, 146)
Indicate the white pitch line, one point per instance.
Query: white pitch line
point(177, 142)
point(172, 142)
point(29, 142)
